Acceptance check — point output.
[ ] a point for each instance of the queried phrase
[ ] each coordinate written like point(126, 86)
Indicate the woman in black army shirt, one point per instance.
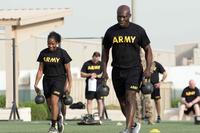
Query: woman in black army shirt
point(54, 63)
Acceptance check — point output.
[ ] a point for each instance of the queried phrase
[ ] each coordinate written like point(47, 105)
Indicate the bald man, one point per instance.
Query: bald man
point(126, 39)
point(189, 99)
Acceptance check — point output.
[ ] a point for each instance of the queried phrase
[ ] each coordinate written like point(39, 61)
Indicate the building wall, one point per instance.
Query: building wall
point(196, 54)
point(166, 58)
point(80, 51)
point(185, 54)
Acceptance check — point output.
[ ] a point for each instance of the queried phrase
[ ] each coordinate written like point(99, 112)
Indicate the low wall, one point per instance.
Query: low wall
point(24, 113)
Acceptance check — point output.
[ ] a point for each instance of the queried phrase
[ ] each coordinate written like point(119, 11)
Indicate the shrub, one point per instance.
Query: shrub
point(113, 107)
point(2, 101)
point(38, 111)
point(175, 102)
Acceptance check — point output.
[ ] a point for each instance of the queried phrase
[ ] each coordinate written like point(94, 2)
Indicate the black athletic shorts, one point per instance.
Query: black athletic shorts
point(54, 86)
point(126, 79)
point(155, 94)
point(90, 95)
point(187, 112)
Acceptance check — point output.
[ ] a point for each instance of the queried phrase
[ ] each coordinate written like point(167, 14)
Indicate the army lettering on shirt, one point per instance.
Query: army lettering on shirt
point(90, 67)
point(53, 61)
point(126, 44)
point(94, 67)
point(123, 39)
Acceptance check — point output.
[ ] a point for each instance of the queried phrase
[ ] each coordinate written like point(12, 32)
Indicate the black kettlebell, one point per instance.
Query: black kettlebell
point(67, 99)
point(147, 86)
point(103, 90)
point(39, 99)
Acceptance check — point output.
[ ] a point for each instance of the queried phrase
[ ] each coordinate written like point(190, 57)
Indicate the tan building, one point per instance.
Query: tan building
point(187, 54)
point(80, 51)
point(166, 58)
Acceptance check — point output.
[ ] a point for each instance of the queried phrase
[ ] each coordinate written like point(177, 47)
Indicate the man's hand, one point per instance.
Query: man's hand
point(93, 75)
point(37, 89)
point(147, 73)
point(105, 75)
point(157, 85)
point(188, 105)
point(67, 90)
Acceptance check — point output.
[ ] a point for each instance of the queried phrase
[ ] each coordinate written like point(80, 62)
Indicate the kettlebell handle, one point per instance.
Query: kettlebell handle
point(104, 82)
point(148, 79)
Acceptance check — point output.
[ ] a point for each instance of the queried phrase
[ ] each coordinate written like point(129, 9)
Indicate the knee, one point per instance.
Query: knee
point(130, 94)
point(54, 100)
point(89, 101)
point(182, 107)
point(196, 106)
point(99, 101)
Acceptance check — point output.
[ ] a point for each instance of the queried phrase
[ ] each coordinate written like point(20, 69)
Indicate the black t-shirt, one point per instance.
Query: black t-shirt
point(90, 67)
point(156, 68)
point(126, 43)
point(190, 94)
point(54, 61)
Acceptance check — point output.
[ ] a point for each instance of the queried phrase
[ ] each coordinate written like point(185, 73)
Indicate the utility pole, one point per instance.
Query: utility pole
point(133, 10)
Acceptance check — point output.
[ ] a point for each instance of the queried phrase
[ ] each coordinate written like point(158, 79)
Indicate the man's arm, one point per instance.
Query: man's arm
point(105, 58)
point(164, 76)
point(68, 82)
point(183, 101)
point(157, 85)
point(196, 100)
point(38, 77)
point(86, 75)
point(148, 58)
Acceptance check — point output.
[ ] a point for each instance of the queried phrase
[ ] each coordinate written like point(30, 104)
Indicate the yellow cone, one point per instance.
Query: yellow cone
point(154, 130)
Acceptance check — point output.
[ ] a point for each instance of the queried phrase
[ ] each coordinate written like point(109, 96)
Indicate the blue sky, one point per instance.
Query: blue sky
point(167, 22)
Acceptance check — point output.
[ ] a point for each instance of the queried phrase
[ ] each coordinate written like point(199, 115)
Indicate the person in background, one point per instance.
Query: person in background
point(190, 100)
point(92, 70)
point(54, 64)
point(157, 69)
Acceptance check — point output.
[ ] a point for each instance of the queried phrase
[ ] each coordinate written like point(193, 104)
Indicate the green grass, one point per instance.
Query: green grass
point(107, 127)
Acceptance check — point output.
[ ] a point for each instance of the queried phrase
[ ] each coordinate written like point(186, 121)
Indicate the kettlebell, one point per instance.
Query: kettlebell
point(103, 90)
point(67, 99)
point(147, 86)
point(39, 99)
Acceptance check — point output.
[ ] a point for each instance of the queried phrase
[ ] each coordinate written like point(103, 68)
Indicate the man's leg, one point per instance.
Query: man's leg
point(157, 103)
point(197, 109)
point(63, 110)
point(139, 107)
point(181, 111)
point(89, 106)
point(100, 107)
point(130, 108)
point(156, 96)
point(122, 103)
point(48, 100)
point(148, 108)
point(119, 87)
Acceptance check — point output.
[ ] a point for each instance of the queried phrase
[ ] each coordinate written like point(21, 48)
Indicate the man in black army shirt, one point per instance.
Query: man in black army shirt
point(126, 39)
point(93, 69)
point(189, 100)
point(157, 68)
